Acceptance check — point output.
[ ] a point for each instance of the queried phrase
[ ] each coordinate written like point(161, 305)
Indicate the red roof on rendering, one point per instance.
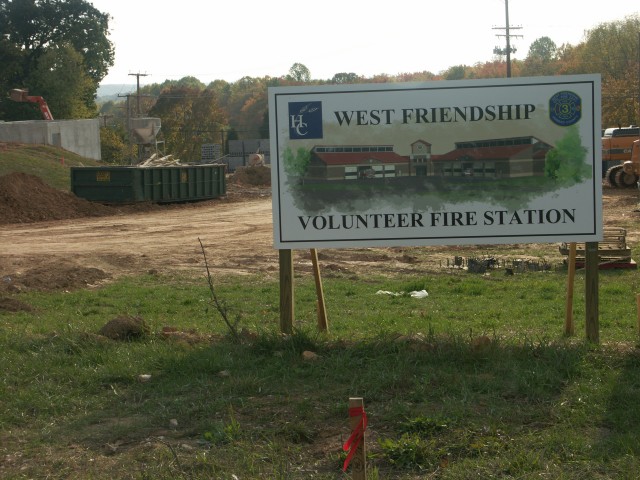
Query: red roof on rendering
point(360, 158)
point(492, 153)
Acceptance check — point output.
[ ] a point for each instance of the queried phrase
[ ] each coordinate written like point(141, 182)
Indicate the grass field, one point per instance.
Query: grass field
point(49, 163)
point(474, 381)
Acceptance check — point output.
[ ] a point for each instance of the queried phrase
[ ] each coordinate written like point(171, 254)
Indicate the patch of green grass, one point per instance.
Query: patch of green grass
point(526, 403)
point(49, 163)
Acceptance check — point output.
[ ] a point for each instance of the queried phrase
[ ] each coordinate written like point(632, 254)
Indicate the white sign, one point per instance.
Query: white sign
point(437, 163)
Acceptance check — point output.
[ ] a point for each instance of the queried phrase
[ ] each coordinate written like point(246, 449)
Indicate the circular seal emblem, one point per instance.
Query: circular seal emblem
point(565, 108)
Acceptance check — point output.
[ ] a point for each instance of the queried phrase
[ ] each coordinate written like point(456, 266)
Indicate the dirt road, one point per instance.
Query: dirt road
point(236, 236)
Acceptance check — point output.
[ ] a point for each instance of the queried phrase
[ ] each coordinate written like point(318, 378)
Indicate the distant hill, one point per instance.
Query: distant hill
point(111, 91)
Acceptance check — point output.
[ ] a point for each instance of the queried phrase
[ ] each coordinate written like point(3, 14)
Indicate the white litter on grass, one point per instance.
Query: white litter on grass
point(414, 294)
point(386, 292)
point(420, 294)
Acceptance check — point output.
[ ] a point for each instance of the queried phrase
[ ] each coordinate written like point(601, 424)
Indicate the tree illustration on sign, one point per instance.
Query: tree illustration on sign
point(296, 165)
point(566, 162)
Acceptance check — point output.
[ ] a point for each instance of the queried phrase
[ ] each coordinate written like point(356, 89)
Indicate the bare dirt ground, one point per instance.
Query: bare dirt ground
point(53, 240)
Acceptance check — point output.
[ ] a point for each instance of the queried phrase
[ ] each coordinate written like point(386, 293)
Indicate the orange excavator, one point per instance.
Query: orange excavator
point(22, 95)
point(627, 173)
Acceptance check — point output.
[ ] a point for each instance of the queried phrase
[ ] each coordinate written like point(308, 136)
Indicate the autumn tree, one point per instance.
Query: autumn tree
point(611, 49)
point(114, 148)
point(457, 72)
point(424, 76)
point(221, 89)
point(247, 105)
point(379, 78)
point(208, 122)
point(60, 70)
point(543, 49)
point(190, 117)
point(619, 100)
point(58, 50)
point(344, 77)
point(541, 59)
point(490, 69)
point(568, 59)
point(299, 73)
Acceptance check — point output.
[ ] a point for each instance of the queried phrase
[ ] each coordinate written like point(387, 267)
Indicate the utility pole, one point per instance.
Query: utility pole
point(138, 75)
point(507, 28)
point(129, 128)
point(105, 117)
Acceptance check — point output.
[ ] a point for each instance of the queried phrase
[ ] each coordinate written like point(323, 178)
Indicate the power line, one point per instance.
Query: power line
point(138, 75)
point(507, 28)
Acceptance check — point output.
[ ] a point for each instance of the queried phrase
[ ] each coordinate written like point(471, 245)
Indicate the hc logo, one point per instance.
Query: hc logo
point(305, 120)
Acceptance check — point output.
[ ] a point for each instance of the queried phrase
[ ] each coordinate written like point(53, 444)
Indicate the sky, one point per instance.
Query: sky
point(231, 39)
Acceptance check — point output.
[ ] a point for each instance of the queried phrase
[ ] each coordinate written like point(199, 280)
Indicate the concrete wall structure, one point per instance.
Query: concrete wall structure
point(78, 136)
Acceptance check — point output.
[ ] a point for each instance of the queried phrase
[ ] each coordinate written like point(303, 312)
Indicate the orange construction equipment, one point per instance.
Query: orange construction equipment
point(22, 95)
point(626, 174)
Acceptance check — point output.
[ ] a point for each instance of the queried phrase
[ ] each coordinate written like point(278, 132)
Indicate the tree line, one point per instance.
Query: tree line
point(61, 51)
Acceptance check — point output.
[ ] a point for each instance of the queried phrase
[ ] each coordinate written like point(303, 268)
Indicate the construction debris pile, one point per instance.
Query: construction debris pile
point(483, 264)
point(258, 175)
point(155, 161)
point(613, 250)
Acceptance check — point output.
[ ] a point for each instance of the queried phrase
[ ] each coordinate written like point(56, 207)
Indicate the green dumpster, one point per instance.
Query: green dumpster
point(182, 183)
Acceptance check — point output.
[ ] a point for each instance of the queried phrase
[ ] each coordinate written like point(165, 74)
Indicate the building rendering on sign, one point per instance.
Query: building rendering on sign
point(420, 157)
point(489, 158)
point(495, 158)
point(352, 162)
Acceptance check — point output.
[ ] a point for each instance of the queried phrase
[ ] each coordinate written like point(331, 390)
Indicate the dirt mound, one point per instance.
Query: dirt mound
point(13, 305)
point(26, 198)
point(45, 278)
point(125, 328)
point(253, 175)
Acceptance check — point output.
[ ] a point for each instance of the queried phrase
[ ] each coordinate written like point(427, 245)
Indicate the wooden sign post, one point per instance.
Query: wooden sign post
point(286, 291)
point(322, 309)
point(592, 262)
point(571, 275)
point(638, 313)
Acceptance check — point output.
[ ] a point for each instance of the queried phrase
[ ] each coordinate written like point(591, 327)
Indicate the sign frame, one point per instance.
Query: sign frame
point(480, 194)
